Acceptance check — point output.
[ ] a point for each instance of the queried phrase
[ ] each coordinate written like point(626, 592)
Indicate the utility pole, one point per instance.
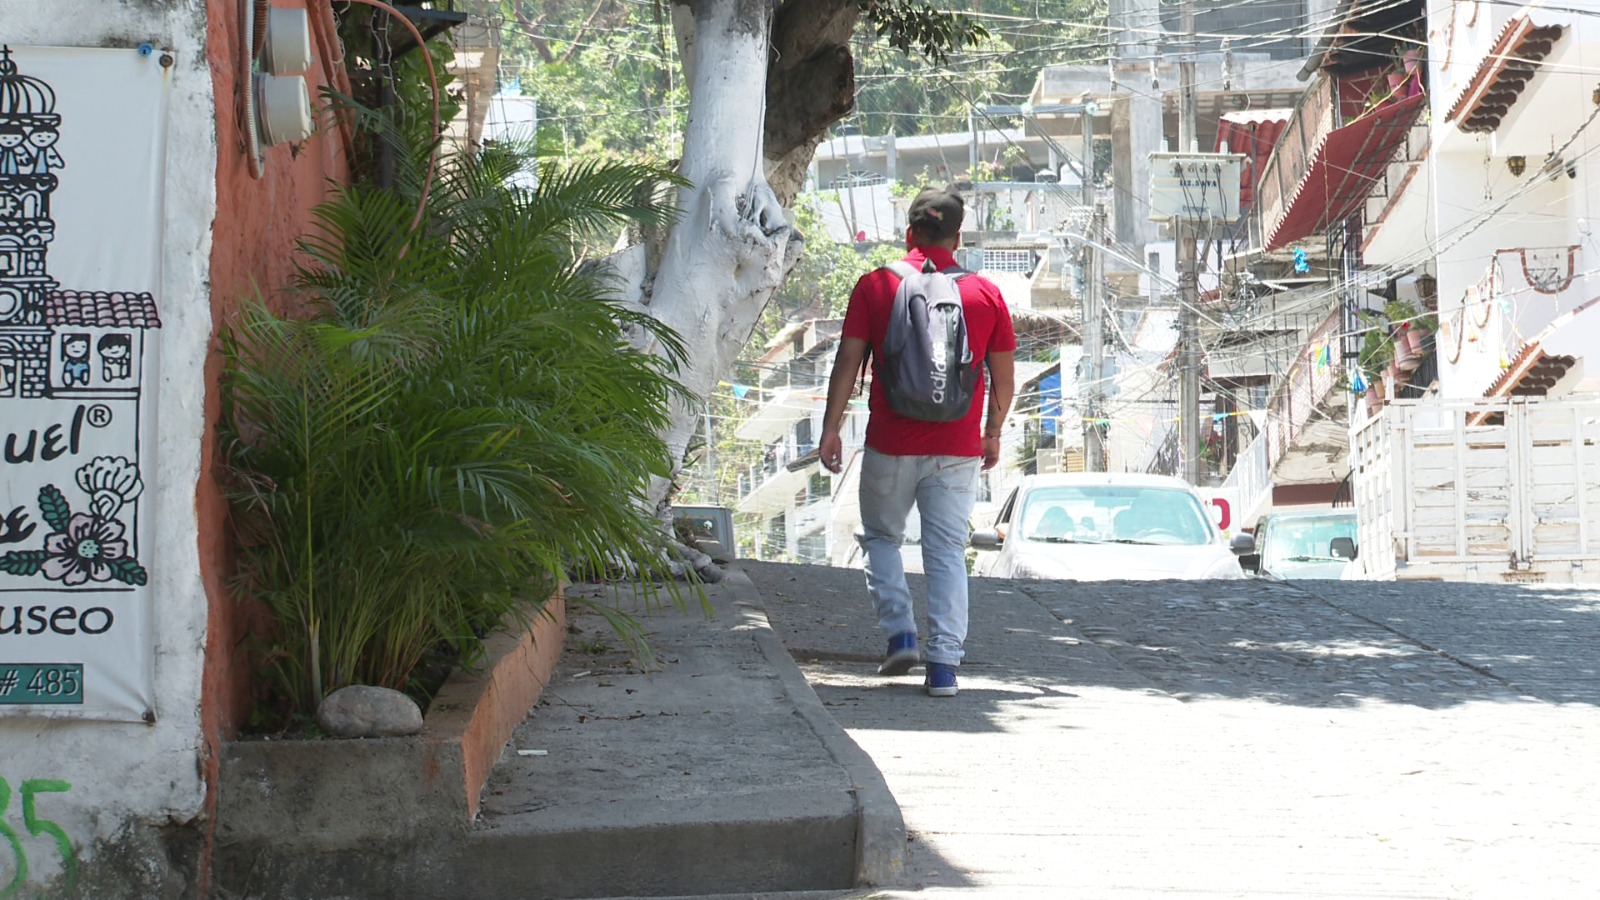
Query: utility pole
point(1188, 271)
point(1094, 451)
point(1094, 447)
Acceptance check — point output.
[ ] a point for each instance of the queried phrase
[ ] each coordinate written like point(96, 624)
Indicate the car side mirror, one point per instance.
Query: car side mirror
point(986, 539)
point(1244, 547)
point(1342, 547)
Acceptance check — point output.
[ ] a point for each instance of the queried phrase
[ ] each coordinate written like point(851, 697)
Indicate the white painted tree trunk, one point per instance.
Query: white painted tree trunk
point(732, 245)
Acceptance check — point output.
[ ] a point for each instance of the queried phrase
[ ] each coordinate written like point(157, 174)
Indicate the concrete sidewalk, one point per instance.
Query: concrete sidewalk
point(715, 772)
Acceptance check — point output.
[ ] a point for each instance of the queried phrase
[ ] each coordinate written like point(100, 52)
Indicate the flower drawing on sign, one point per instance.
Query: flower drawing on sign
point(90, 548)
point(110, 482)
point(84, 547)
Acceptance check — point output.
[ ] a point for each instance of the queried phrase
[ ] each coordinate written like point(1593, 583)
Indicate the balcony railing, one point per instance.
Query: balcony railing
point(777, 460)
point(1313, 118)
point(1290, 410)
point(1308, 384)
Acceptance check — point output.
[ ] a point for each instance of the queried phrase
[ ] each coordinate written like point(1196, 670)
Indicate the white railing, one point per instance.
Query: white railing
point(1250, 481)
point(779, 456)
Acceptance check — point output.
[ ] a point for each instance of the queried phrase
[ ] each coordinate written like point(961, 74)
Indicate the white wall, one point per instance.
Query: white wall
point(1486, 214)
point(127, 780)
point(869, 208)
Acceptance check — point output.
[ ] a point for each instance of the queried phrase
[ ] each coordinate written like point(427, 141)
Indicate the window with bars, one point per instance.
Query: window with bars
point(812, 548)
point(1009, 260)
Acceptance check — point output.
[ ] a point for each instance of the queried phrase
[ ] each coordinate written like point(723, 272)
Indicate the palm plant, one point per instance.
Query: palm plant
point(450, 417)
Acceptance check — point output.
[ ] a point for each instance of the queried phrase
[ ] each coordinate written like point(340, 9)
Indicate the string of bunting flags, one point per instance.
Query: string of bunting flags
point(741, 391)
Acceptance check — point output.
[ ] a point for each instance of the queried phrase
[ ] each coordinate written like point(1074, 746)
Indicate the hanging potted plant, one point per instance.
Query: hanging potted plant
point(1407, 334)
point(1377, 349)
point(1405, 357)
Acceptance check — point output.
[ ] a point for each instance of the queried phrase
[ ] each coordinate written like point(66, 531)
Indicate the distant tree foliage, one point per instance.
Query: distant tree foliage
point(906, 95)
point(605, 73)
point(609, 83)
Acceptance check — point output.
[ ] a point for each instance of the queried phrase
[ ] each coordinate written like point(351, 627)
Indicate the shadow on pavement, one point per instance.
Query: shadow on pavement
point(1313, 644)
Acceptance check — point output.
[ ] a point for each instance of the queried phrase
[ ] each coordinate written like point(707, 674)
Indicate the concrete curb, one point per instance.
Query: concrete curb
point(880, 829)
point(485, 705)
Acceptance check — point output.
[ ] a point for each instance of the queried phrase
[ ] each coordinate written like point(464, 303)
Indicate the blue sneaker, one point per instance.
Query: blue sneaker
point(902, 654)
point(941, 680)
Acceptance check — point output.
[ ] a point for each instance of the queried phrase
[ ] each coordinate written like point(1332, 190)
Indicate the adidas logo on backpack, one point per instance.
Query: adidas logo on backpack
point(926, 363)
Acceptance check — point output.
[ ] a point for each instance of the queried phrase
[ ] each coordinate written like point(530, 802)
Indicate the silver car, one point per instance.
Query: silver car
point(1102, 527)
point(1314, 543)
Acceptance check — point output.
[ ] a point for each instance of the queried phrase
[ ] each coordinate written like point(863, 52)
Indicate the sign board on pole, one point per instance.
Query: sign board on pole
point(1195, 187)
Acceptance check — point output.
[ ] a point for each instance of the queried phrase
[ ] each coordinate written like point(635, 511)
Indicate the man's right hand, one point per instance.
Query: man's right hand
point(832, 450)
point(841, 381)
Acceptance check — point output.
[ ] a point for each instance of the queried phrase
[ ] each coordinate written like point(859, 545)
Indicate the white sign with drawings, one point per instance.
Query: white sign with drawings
point(82, 161)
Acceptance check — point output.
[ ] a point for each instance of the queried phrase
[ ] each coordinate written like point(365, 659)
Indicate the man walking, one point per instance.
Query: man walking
point(933, 465)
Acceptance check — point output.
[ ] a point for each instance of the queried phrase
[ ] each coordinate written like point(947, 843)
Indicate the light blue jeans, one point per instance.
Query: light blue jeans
point(943, 489)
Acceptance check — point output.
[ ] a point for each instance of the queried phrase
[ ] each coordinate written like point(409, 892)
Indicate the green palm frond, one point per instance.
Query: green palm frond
point(454, 419)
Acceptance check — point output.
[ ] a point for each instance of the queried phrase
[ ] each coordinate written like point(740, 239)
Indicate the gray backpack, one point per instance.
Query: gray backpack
point(926, 364)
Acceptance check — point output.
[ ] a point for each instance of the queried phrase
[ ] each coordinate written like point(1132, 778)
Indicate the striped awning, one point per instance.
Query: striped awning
point(1343, 169)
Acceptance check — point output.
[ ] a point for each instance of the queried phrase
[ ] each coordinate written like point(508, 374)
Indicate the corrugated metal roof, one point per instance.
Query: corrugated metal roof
point(1344, 167)
point(1254, 133)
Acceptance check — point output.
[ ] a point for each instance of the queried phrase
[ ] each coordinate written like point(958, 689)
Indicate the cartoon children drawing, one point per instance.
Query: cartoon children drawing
point(116, 352)
point(16, 156)
point(75, 359)
point(45, 156)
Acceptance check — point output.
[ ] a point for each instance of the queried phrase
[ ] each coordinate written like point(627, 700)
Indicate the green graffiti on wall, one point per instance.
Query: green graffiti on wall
point(36, 826)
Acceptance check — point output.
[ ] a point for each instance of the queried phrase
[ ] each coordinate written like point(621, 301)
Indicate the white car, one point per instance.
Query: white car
point(1304, 543)
point(1103, 527)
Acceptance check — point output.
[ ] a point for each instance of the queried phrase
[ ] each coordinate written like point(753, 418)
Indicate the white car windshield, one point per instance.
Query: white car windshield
point(1308, 540)
point(1115, 514)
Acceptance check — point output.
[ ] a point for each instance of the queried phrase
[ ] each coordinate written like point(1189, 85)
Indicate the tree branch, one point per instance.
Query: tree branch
point(577, 39)
point(531, 26)
point(804, 100)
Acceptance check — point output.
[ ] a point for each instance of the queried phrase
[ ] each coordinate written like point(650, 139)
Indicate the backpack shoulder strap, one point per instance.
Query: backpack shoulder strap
point(903, 269)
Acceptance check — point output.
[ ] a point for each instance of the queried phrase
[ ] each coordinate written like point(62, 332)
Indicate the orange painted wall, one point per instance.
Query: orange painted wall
point(253, 245)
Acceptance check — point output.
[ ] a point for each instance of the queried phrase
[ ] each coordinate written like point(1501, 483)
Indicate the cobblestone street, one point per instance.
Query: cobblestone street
point(1230, 739)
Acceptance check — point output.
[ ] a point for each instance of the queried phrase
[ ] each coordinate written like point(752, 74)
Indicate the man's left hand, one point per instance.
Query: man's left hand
point(991, 452)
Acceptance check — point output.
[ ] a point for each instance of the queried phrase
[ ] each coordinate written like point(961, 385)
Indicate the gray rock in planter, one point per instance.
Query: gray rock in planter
point(361, 711)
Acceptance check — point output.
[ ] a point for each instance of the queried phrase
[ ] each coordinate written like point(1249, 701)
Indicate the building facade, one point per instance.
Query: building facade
point(132, 222)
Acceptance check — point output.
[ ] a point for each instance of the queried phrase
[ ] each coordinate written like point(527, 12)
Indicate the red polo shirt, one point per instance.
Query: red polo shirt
point(988, 328)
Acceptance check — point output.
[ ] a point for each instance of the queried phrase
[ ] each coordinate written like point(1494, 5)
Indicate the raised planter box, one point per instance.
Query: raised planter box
point(317, 818)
